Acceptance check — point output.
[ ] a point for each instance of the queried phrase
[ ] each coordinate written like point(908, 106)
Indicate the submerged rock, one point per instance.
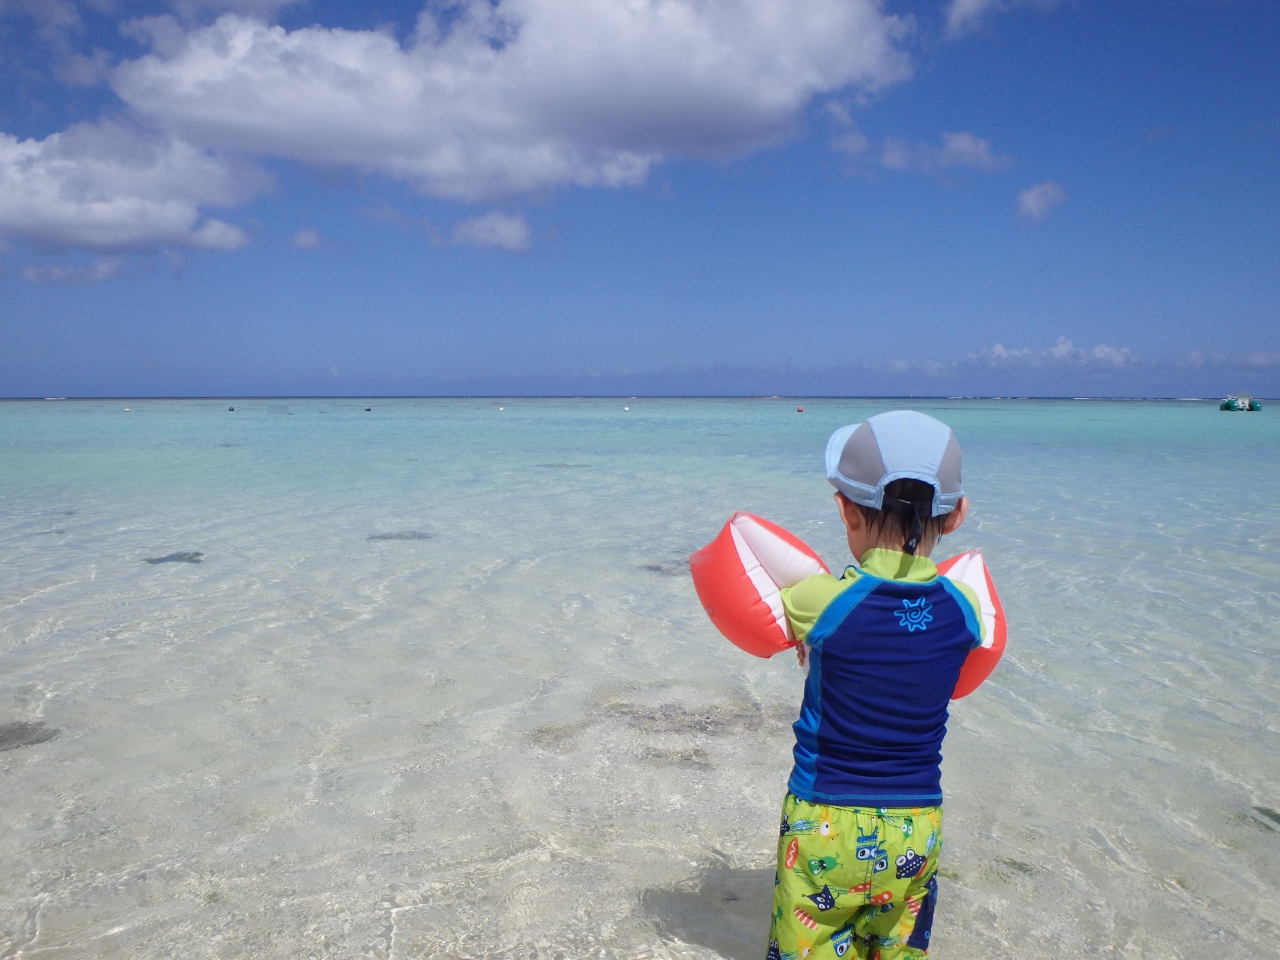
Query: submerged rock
point(712, 719)
point(667, 568)
point(184, 556)
point(1272, 815)
point(401, 535)
point(696, 757)
point(23, 734)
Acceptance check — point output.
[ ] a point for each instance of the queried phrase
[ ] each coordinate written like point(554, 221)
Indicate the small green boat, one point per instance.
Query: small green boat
point(1241, 401)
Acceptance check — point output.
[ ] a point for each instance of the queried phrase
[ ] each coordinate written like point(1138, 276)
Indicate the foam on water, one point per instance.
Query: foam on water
point(439, 685)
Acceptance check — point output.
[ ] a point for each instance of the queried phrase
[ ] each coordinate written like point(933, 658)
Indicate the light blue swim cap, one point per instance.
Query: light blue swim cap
point(863, 458)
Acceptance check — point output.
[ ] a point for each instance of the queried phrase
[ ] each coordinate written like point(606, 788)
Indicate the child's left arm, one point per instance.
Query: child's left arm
point(805, 602)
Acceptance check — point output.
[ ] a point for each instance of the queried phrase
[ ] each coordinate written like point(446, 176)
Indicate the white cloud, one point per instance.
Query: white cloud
point(959, 149)
point(963, 16)
point(53, 18)
point(104, 268)
point(83, 70)
point(488, 99)
point(1035, 202)
point(515, 96)
point(850, 140)
point(1063, 352)
point(255, 8)
point(307, 240)
point(109, 187)
point(493, 229)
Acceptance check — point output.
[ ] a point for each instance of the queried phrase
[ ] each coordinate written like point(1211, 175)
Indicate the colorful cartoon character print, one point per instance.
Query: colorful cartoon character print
point(909, 864)
point(822, 864)
point(802, 825)
point(868, 848)
point(792, 855)
point(904, 824)
point(805, 918)
point(842, 940)
point(848, 893)
point(823, 899)
point(801, 952)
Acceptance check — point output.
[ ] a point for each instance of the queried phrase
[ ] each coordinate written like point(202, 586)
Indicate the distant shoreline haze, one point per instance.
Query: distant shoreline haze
point(1191, 377)
point(245, 398)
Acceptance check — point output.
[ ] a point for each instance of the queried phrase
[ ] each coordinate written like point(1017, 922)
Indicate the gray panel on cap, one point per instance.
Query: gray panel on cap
point(949, 469)
point(860, 460)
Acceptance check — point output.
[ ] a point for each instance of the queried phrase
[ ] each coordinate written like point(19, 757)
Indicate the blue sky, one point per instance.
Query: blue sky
point(229, 197)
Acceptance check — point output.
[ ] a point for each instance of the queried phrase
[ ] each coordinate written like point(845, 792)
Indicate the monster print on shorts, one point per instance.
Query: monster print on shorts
point(854, 882)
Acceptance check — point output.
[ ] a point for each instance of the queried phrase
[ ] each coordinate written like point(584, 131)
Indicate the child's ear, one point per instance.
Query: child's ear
point(851, 518)
point(956, 516)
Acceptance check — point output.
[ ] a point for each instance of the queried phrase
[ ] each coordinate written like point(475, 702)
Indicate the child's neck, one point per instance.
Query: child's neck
point(884, 543)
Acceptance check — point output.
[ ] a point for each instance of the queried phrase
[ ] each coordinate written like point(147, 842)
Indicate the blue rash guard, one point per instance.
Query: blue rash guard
point(884, 648)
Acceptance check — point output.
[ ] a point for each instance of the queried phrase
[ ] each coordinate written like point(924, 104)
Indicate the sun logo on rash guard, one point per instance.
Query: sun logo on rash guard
point(914, 615)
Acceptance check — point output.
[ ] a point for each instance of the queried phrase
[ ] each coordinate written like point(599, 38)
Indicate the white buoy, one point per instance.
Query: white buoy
point(625, 409)
point(502, 408)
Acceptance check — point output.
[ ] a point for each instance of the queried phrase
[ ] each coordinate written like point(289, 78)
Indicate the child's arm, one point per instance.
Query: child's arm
point(805, 602)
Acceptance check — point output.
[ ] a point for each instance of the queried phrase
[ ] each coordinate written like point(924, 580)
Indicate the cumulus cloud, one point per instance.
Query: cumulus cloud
point(307, 240)
point(494, 229)
point(104, 268)
point(959, 149)
point(515, 96)
point(109, 187)
point(1063, 352)
point(1035, 202)
point(487, 99)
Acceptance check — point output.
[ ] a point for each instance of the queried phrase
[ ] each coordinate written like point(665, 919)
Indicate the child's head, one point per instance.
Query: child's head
point(898, 477)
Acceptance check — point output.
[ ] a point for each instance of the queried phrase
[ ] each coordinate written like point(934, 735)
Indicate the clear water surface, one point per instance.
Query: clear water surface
point(430, 680)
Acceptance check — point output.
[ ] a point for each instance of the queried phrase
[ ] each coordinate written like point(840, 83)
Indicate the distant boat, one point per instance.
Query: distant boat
point(1241, 401)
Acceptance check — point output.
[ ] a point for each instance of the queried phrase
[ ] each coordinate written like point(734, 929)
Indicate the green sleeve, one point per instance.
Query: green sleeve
point(805, 601)
point(977, 608)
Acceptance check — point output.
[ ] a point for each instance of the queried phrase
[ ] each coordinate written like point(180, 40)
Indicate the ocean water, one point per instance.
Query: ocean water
point(430, 680)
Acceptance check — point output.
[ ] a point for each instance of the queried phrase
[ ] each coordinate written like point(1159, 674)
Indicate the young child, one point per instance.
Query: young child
point(882, 646)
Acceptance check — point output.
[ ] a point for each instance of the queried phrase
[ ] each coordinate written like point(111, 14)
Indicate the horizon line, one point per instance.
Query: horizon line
point(611, 396)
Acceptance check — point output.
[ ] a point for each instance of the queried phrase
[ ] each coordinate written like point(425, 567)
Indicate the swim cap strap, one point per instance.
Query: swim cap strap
point(915, 510)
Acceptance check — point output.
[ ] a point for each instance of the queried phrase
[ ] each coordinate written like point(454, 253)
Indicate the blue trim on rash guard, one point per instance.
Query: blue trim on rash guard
point(840, 608)
point(805, 751)
point(970, 615)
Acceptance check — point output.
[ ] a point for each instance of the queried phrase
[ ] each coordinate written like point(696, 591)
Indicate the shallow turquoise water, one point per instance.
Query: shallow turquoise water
point(515, 734)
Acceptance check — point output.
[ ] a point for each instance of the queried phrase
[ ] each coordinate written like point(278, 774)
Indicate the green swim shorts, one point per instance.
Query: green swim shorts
point(854, 882)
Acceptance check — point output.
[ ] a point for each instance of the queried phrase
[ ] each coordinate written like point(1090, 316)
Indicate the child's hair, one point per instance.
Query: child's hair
point(904, 500)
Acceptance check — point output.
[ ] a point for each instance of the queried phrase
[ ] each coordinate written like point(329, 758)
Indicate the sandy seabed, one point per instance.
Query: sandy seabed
point(431, 680)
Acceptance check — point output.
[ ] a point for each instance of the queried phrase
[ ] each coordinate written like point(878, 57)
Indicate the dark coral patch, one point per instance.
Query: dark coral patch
point(22, 734)
point(184, 556)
